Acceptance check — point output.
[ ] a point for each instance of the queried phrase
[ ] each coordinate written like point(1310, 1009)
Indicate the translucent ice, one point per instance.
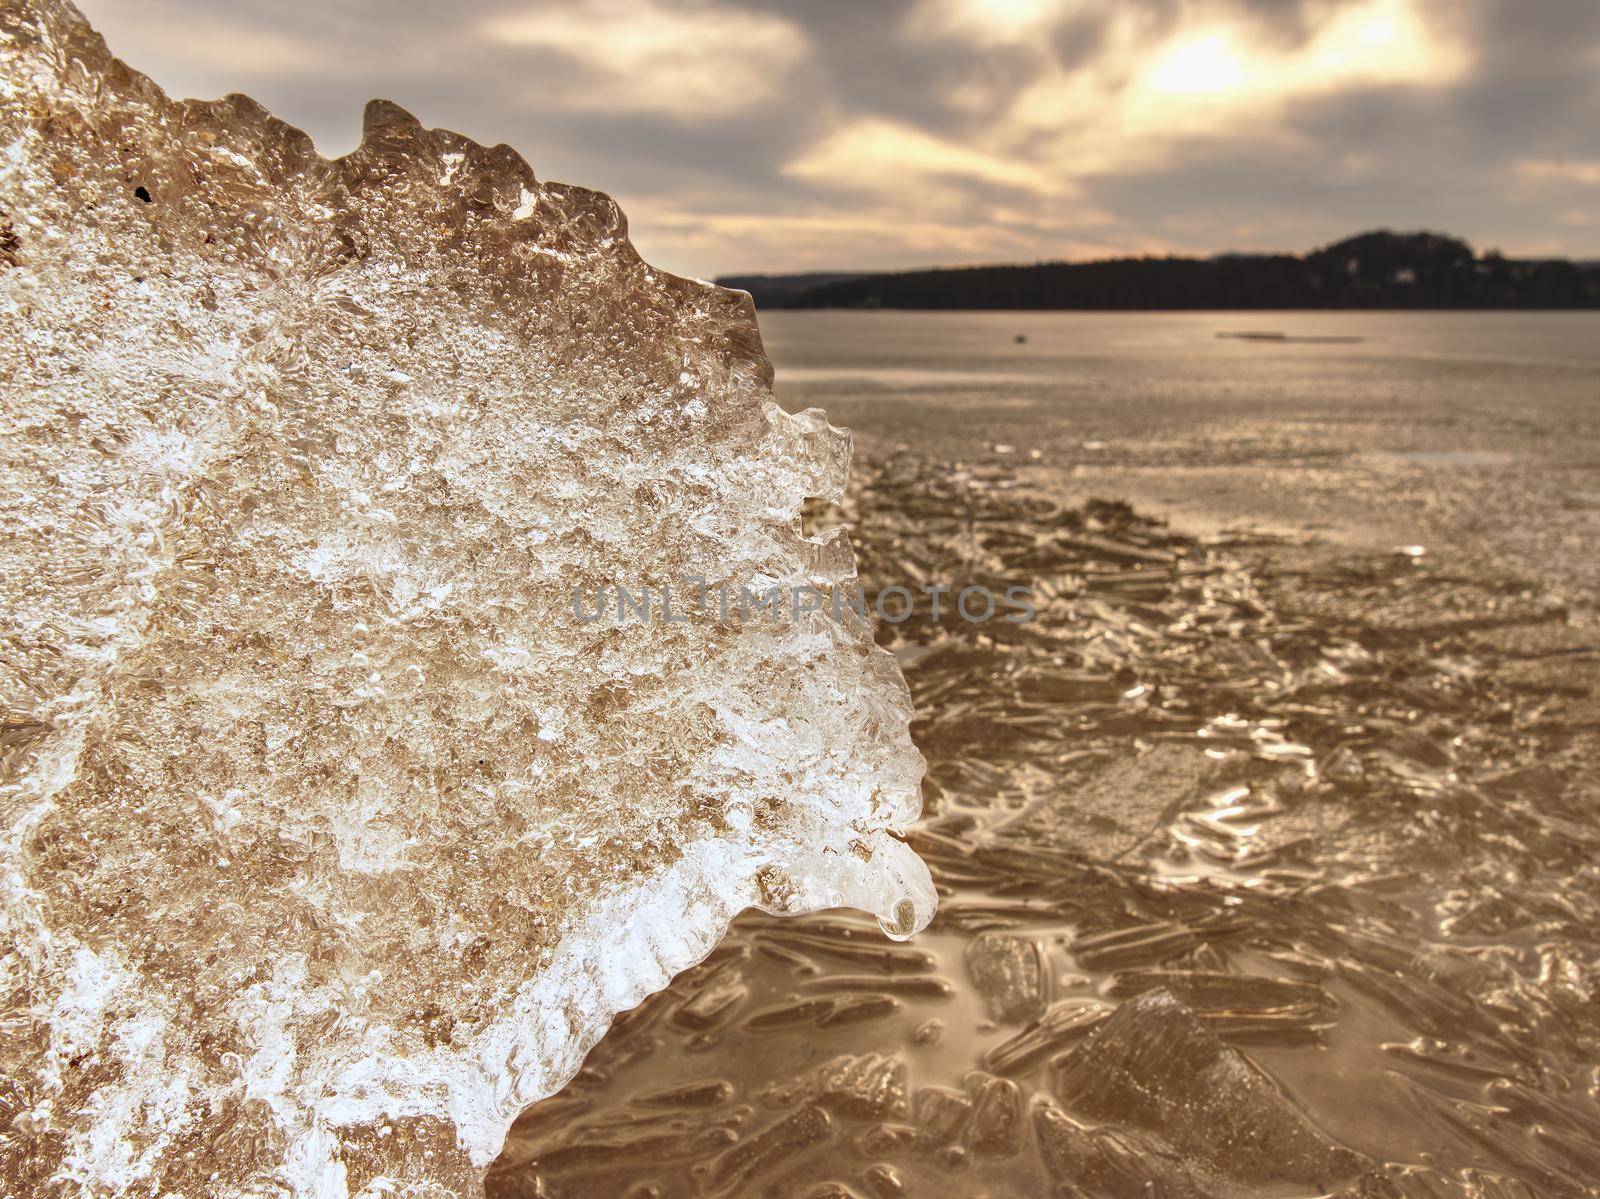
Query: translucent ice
point(332, 837)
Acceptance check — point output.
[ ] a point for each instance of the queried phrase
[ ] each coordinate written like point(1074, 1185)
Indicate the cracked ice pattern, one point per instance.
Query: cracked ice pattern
point(331, 839)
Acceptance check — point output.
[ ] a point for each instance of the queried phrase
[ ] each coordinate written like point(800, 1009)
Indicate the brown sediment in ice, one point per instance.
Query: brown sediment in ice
point(333, 838)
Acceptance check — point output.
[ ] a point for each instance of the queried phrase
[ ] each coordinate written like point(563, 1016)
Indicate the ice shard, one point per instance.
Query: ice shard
point(336, 829)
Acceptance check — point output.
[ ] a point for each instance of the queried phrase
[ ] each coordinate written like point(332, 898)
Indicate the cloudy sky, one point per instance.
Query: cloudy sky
point(816, 134)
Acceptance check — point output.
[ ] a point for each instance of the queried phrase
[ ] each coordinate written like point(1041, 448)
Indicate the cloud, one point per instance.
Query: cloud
point(1213, 74)
point(1561, 171)
point(893, 159)
point(1165, 84)
point(694, 61)
point(255, 54)
point(767, 134)
point(990, 22)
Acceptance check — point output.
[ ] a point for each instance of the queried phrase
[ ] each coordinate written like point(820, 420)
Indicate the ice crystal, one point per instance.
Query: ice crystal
point(332, 838)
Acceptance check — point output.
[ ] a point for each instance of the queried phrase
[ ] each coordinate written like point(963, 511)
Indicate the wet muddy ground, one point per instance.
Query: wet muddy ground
point(1266, 870)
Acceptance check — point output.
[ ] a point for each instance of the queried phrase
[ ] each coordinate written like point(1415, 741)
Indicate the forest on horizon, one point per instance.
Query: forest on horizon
point(1380, 269)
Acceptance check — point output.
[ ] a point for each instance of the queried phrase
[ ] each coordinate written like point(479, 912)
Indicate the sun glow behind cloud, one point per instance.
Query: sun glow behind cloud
point(1206, 65)
point(1136, 104)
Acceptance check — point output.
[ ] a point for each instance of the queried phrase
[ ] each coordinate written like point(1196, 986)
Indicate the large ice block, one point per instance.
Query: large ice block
point(335, 831)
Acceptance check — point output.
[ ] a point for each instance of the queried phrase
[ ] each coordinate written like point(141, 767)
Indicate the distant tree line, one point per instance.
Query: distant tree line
point(1381, 269)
